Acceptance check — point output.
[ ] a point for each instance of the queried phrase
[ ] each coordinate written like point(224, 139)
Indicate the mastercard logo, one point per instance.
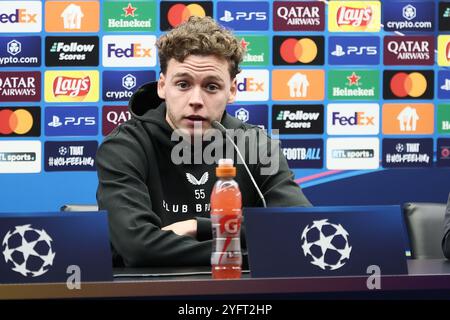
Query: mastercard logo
point(303, 50)
point(298, 50)
point(180, 13)
point(408, 84)
point(18, 121)
point(175, 13)
point(404, 85)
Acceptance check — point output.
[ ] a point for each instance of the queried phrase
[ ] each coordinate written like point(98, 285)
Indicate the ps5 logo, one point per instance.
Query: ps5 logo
point(72, 121)
point(446, 85)
point(359, 51)
point(244, 16)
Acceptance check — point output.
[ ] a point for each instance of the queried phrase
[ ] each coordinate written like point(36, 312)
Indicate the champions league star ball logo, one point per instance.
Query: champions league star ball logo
point(326, 244)
point(28, 250)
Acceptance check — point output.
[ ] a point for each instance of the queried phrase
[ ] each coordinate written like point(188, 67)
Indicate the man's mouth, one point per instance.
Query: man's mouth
point(195, 118)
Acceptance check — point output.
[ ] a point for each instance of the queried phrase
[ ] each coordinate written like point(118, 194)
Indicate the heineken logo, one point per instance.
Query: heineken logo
point(353, 85)
point(129, 16)
point(256, 50)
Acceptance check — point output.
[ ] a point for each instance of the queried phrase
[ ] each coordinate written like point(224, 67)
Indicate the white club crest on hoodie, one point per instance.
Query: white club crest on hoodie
point(196, 182)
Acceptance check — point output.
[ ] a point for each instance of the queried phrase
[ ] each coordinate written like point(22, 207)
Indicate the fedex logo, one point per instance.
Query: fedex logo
point(357, 119)
point(252, 85)
point(126, 51)
point(134, 50)
point(26, 18)
point(19, 16)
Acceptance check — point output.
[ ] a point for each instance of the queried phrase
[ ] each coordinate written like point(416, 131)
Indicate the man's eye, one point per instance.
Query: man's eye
point(212, 87)
point(182, 85)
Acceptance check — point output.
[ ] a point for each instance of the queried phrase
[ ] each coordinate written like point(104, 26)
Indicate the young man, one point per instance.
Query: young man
point(158, 205)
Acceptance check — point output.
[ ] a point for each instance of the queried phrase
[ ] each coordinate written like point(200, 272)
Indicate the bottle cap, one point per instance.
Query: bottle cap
point(225, 168)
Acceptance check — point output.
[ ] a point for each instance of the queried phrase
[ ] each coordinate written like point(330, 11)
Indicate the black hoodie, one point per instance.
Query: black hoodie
point(143, 190)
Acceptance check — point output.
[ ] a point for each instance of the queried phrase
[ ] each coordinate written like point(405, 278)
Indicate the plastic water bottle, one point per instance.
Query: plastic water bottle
point(226, 217)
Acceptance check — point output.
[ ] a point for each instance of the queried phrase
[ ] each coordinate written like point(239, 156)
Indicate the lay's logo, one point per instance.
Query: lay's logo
point(354, 16)
point(71, 86)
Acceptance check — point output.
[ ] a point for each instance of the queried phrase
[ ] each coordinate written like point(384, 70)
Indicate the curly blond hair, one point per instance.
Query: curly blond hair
point(200, 36)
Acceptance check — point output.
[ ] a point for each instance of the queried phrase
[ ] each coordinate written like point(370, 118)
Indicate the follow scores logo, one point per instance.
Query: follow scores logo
point(20, 122)
point(175, 13)
point(20, 16)
point(72, 86)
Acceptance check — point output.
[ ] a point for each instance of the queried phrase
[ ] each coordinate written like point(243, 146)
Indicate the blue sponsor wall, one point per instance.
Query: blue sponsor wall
point(69, 113)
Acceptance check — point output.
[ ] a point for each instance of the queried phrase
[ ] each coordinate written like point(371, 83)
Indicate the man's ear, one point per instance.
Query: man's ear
point(161, 86)
point(233, 91)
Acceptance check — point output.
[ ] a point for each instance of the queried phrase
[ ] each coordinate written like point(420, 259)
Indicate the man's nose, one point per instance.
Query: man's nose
point(196, 99)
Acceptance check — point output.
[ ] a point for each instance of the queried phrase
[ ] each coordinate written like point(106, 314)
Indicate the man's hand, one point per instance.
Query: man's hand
point(183, 228)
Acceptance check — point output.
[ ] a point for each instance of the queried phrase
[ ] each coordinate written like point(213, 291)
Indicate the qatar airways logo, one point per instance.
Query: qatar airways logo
point(72, 87)
point(356, 17)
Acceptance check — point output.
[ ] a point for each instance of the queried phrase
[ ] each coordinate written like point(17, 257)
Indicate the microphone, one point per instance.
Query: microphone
point(217, 125)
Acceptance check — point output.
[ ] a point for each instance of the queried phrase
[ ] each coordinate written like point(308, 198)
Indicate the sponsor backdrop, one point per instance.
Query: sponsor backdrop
point(358, 91)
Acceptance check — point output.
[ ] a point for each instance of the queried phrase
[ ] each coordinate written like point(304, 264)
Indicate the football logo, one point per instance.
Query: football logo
point(326, 244)
point(28, 250)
